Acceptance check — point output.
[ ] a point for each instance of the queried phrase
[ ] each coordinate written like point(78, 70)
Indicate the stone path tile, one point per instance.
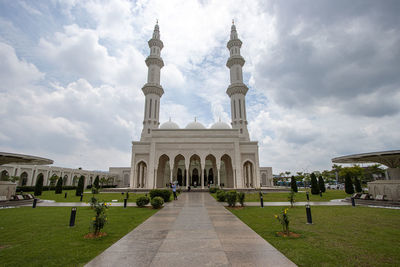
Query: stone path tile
point(193, 231)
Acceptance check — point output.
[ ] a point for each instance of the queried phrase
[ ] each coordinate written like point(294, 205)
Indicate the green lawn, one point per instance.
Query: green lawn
point(300, 196)
point(42, 237)
point(86, 196)
point(340, 236)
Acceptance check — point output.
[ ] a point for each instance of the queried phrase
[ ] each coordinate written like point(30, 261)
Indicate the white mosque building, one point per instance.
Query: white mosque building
point(222, 155)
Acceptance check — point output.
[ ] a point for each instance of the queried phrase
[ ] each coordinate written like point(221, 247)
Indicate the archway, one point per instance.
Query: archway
point(179, 170)
point(65, 180)
point(226, 172)
point(264, 179)
point(248, 174)
point(210, 169)
point(194, 164)
point(23, 179)
point(40, 175)
point(4, 176)
point(141, 174)
point(163, 172)
point(195, 177)
point(75, 181)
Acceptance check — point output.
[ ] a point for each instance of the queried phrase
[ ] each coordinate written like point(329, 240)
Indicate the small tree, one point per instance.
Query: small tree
point(53, 179)
point(39, 186)
point(59, 186)
point(314, 185)
point(292, 198)
point(293, 184)
point(348, 184)
point(321, 184)
point(357, 184)
point(96, 182)
point(100, 218)
point(284, 220)
point(79, 188)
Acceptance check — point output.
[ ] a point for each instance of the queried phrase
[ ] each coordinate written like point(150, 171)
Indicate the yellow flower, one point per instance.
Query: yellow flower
point(276, 216)
point(285, 211)
point(94, 218)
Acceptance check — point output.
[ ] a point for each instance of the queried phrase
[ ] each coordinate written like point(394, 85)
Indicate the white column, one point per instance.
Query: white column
point(155, 179)
point(217, 180)
point(187, 177)
point(170, 179)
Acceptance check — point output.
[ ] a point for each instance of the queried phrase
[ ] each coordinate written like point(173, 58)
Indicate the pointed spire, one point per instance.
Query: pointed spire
point(156, 33)
point(233, 31)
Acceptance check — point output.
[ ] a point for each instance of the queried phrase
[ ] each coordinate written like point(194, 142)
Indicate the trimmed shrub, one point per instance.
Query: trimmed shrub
point(231, 198)
point(357, 184)
point(96, 182)
point(321, 184)
point(213, 190)
point(241, 197)
point(59, 186)
point(314, 185)
point(348, 184)
point(79, 188)
point(293, 184)
point(142, 201)
point(157, 202)
point(39, 186)
point(165, 194)
point(221, 195)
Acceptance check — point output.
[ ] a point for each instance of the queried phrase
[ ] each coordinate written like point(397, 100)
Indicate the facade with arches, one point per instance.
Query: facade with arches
point(28, 174)
point(221, 155)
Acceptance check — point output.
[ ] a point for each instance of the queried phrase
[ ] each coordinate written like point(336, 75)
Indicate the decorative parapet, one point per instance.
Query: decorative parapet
point(235, 42)
point(153, 88)
point(235, 60)
point(237, 88)
point(154, 60)
point(155, 42)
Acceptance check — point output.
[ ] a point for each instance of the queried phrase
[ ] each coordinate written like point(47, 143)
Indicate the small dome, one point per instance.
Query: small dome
point(169, 125)
point(195, 125)
point(220, 125)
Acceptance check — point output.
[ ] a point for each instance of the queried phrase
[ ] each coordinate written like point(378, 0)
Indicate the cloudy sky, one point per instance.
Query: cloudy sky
point(324, 76)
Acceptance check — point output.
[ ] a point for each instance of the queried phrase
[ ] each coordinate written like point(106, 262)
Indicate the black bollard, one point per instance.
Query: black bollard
point(308, 211)
point(308, 196)
point(125, 201)
point(261, 200)
point(81, 197)
point(72, 218)
point(353, 202)
point(34, 203)
point(65, 195)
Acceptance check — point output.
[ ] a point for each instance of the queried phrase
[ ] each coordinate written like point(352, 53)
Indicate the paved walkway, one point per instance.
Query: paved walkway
point(193, 231)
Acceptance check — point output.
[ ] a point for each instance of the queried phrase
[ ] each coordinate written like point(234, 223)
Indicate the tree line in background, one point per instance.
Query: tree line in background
point(353, 177)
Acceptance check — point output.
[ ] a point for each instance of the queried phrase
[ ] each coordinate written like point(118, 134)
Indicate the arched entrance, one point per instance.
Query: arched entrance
point(248, 174)
point(65, 180)
point(210, 169)
point(179, 173)
point(226, 172)
point(141, 173)
point(4, 176)
point(23, 179)
point(163, 172)
point(75, 181)
point(194, 175)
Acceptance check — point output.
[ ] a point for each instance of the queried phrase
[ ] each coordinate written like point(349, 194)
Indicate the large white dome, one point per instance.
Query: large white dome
point(220, 125)
point(169, 125)
point(195, 125)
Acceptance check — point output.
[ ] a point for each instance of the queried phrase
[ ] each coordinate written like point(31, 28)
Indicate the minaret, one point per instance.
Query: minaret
point(152, 89)
point(237, 89)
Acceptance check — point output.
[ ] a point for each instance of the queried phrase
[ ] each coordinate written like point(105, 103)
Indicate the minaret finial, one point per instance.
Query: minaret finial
point(156, 21)
point(233, 22)
point(195, 119)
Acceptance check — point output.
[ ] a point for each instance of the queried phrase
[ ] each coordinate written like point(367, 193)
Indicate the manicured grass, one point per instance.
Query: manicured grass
point(300, 196)
point(340, 236)
point(50, 195)
point(42, 237)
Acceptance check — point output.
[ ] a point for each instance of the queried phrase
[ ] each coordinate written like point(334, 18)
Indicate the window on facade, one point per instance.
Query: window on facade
point(240, 109)
point(155, 109)
point(234, 109)
point(150, 109)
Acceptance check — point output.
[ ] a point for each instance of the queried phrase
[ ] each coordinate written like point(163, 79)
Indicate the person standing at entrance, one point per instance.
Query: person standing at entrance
point(174, 191)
